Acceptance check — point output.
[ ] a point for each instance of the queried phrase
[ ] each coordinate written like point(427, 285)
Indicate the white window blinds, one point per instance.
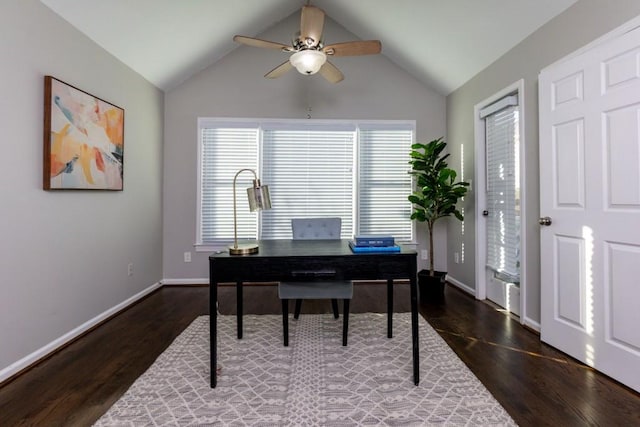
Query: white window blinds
point(384, 182)
point(357, 171)
point(310, 174)
point(223, 152)
point(503, 190)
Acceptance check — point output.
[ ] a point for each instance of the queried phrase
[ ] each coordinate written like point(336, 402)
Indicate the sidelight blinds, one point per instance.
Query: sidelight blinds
point(503, 189)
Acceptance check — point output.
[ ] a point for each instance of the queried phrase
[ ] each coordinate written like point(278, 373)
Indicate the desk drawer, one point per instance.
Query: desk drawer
point(381, 267)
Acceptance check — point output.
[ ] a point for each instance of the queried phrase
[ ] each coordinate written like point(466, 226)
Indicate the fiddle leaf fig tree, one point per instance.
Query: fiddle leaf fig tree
point(436, 193)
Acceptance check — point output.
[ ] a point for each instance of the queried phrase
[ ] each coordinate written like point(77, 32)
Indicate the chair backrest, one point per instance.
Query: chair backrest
point(316, 228)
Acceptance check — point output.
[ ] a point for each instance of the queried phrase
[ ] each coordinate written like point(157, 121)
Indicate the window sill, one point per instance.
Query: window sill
point(215, 247)
point(219, 247)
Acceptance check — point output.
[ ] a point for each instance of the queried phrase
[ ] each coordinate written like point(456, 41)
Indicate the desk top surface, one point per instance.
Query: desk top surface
point(306, 248)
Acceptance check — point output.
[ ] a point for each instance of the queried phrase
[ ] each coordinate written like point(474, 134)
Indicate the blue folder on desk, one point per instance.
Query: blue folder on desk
point(358, 249)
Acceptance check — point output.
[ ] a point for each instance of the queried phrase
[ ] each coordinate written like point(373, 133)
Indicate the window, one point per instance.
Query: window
point(355, 170)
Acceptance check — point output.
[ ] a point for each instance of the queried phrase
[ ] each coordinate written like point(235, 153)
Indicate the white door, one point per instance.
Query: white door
point(590, 203)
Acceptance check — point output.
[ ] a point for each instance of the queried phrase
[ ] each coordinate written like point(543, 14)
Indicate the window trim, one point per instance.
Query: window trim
point(518, 88)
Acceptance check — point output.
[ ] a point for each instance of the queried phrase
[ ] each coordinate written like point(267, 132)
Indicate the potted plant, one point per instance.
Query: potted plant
point(436, 196)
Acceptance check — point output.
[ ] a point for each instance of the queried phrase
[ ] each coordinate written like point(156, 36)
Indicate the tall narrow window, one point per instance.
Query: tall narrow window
point(384, 181)
point(503, 188)
point(223, 152)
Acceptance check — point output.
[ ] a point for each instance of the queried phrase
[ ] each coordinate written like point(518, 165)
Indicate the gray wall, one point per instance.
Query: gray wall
point(374, 88)
point(582, 23)
point(64, 255)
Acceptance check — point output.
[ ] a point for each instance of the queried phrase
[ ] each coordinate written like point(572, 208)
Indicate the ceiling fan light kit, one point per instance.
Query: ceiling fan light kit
point(308, 61)
point(309, 54)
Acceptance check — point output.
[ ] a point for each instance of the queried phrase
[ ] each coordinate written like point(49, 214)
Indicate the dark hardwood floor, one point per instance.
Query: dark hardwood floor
point(536, 384)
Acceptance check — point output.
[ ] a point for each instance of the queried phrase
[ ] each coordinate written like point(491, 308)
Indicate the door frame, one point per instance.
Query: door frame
point(480, 187)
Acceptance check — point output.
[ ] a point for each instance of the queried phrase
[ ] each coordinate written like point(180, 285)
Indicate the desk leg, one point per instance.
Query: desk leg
point(390, 308)
point(239, 308)
point(414, 329)
point(285, 322)
point(213, 329)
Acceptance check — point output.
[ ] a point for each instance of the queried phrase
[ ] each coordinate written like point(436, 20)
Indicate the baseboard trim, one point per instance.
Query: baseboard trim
point(532, 324)
point(13, 370)
point(185, 282)
point(526, 321)
point(460, 285)
point(199, 282)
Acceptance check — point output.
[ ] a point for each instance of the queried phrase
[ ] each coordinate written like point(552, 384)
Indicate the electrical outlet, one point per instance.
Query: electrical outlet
point(456, 257)
point(187, 257)
point(130, 269)
point(424, 254)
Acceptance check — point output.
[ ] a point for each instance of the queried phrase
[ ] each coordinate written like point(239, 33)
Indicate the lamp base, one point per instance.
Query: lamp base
point(243, 249)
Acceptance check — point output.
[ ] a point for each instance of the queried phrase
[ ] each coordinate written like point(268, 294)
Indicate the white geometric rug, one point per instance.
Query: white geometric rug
point(313, 382)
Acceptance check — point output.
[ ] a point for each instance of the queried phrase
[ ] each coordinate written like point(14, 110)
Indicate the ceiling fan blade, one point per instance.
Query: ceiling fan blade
point(311, 25)
point(250, 41)
point(279, 70)
point(355, 48)
point(331, 73)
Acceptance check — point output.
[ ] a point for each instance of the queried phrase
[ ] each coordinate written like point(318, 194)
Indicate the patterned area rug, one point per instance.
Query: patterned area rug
point(313, 382)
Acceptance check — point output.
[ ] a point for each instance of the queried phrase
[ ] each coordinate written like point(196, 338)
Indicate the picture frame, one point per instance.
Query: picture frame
point(83, 140)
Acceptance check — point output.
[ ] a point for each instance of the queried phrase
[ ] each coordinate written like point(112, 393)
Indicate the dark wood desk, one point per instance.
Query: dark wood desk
point(301, 260)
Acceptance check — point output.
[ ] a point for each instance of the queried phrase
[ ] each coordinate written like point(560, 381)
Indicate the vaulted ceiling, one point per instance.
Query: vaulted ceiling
point(441, 43)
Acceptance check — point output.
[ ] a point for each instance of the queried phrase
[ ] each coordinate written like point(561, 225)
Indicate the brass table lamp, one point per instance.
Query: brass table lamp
point(258, 199)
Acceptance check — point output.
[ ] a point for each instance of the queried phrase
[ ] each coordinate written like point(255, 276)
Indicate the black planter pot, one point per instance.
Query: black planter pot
point(431, 288)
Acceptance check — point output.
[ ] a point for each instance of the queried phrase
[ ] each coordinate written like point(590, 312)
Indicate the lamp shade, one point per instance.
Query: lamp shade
point(308, 61)
point(258, 196)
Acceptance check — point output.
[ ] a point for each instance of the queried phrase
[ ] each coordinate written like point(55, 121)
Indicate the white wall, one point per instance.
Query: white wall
point(582, 23)
point(64, 255)
point(374, 88)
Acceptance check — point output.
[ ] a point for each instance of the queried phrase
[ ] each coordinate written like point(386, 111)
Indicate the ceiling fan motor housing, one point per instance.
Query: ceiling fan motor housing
point(308, 61)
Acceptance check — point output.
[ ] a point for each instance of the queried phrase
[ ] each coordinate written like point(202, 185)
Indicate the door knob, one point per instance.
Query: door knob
point(545, 220)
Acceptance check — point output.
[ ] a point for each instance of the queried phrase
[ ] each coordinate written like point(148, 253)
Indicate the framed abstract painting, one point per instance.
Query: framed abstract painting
point(83, 140)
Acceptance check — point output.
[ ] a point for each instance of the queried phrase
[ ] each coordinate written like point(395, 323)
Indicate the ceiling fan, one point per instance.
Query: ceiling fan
point(309, 54)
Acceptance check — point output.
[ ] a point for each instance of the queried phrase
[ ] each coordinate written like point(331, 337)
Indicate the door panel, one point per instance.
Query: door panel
point(621, 70)
point(504, 294)
point(590, 187)
point(568, 148)
point(571, 297)
point(622, 150)
point(567, 90)
point(623, 319)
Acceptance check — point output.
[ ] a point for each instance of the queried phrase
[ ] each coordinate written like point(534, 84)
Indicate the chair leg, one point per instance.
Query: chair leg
point(285, 321)
point(345, 321)
point(334, 305)
point(296, 313)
